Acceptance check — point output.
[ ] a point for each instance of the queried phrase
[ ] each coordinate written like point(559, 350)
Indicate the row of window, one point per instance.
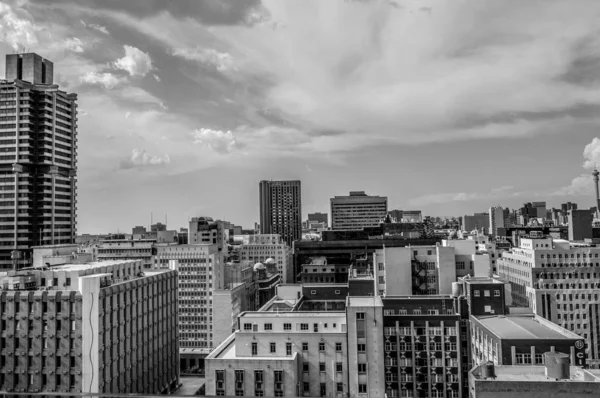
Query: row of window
point(416, 311)
point(288, 348)
point(286, 326)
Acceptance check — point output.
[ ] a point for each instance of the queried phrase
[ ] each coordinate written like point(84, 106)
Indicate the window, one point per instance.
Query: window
point(321, 366)
point(258, 383)
point(239, 383)
point(254, 348)
point(486, 293)
point(360, 315)
point(381, 279)
point(433, 312)
point(288, 349)
point(247, 326)
point(417, 312)
point(68, 282)
point(361, 347)
point(304, 326)
point(496, 293)
point(316, 327)
point(273, 347)
point(362, 368)
point(306, 387)
point(380, 266)
point(339, 387)
point(362, 388)
point(476, 293)
point(321, 346)
point(338, 367)
point(278, 379)
point(304, 346)
point(220, 382)
point(523, 359)
point(305, 367)
point(287, 326)
point(323, 389)
point(268, 326)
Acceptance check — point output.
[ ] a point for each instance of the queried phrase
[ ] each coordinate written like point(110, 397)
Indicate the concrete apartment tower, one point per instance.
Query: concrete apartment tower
point(38, 160)
point(281, 209)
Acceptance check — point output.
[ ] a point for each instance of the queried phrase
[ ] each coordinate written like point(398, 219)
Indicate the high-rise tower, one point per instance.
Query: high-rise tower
point(38, 160)
point(281, 209)
point(595, 173)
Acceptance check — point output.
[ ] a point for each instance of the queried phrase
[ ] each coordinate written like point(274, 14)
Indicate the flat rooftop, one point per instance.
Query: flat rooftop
point(368, 301)
point(523, 327)
point(537, 374)
point(323, 314)
point(482, 280)
point(90, 265)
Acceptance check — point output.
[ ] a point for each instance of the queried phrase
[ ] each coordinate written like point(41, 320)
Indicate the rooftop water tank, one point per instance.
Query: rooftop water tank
point(557, 365)
point(457, 289)
point(488, 371)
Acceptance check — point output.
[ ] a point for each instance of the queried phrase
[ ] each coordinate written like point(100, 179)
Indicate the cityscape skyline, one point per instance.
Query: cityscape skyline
point(162, 111)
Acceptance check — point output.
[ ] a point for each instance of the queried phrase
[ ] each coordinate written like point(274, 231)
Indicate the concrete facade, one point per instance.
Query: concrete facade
point(127, 249)
point(357, 210)
point(38, 165)
point(259, 248)
point(281, 209)
point(104, 327)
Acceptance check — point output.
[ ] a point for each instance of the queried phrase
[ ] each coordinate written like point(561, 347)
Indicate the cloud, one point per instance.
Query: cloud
point(209, 12)
point(156, 77)
point(107, 80)
point(591, 153)
point(73, 44)
point(217, 140)
point(140, 158)
point(99, 28)
point(209, 56)
point(17, 28)
point(135, 62)
point(440, 198)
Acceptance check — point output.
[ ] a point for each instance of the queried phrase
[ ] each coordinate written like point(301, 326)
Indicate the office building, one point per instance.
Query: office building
point(281, 209)
point(357, 211)
point(128, 249)
point(282, 354)
point(499, 218)
point(38, 165)
point(556, 379)
point(267, 247)
point(559, 280)
point(478, 221)
point(580, 225)
point(406, 347)
point(319, 218)
point(204, 230)
point(102, 327)
point(412, 216)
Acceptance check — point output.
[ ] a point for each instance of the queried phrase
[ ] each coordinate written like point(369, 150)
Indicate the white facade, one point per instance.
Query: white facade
point(259, 248)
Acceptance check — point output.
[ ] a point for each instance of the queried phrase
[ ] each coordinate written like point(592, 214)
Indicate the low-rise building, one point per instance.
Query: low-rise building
point(262, 247)
point(128, 249)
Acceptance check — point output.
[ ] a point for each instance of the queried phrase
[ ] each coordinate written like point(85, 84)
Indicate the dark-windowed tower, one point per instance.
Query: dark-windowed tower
point(38, 160)
point(281, 209)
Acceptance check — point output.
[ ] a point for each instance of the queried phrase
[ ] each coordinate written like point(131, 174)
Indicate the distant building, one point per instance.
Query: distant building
point(357, 210)
point(85, 327)
point(580, 225)
point(128, 249)
point(396, 215)
point(556, 379)
point(260, 248)
point(281, 209)
point(499, 218)
point(478, 221)
point(203, 230)
point(138, 231)
point(158, 227)
point(412, 216)
point(38, 166)
point(319, 218)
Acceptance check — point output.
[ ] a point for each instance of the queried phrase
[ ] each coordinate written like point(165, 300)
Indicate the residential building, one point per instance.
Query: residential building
point(128, 249)
point(281, 209)
point(262, 247)
point(357, 211)
point(282, 354)
point(556, 379)
point(102, 327)
point(559, 280)
point(499, 218)
point(318, 270)
point(478, 221)
point(319, 218)
point(38, 165)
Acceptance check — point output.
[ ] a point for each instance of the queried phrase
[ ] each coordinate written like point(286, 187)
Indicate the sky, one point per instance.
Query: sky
point(449, 107)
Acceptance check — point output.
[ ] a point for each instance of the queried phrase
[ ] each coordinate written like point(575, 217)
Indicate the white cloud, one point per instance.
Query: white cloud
point(580, 185)
point(108, 80)
point(127, 114)
point(135, 62)
point(140, 158)
point(99, 28)
point(156, 77)
point(73, 44)
point(17, 28)
point(591, 153)
point(209, 56)
point(217, 140)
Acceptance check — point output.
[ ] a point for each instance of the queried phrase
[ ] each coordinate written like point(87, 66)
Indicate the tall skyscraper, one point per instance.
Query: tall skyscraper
point(38, 160)
point(281, 209)
point(358, 210)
